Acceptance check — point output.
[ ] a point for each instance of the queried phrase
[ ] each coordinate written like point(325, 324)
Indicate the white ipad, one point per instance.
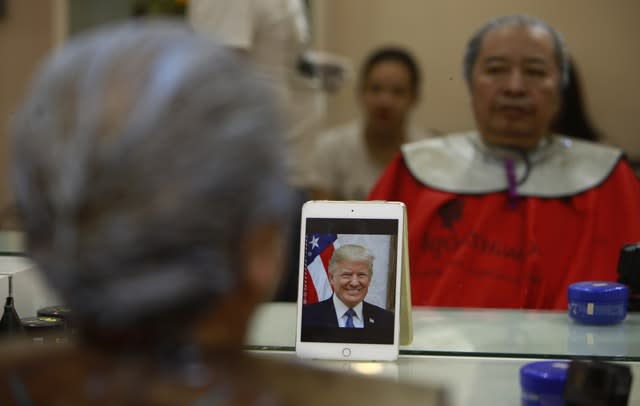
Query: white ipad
point(350, 280)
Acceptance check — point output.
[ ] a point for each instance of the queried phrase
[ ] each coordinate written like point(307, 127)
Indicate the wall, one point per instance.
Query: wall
point(29, 29)
point(602, 36)
point(26, 35)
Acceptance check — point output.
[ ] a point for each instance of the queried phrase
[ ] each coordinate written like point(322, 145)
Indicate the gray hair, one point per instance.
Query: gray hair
point(144, 156)
point(351, 252)
point(475, 43)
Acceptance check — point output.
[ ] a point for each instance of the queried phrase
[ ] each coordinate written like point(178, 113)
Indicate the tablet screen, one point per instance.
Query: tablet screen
point(349, 284)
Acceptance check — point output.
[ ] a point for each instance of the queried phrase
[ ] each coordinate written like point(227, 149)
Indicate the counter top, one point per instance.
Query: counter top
point(479, 332)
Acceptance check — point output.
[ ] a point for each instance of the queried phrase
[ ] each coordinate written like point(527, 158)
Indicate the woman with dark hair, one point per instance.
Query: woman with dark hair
point(572, 119)
point(349, 159)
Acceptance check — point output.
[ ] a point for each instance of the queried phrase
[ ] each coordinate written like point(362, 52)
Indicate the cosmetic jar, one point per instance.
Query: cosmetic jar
point(598, 302)
point(45, 329)
point(60, 312)
point(542, 383)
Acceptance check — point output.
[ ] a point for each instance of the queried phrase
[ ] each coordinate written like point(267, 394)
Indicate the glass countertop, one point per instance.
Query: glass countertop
point(479, 332)
point(437, 331)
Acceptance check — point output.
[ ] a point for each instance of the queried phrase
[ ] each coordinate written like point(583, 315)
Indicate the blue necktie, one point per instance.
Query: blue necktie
point(349, 323)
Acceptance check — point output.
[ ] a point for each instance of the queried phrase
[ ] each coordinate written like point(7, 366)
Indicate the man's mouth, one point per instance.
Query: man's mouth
point(515, 111)
point(384, 115)
point(512, 105)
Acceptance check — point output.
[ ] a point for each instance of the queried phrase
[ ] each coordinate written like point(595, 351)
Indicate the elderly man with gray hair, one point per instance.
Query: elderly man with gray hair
point(148, 173)
point(510, 214)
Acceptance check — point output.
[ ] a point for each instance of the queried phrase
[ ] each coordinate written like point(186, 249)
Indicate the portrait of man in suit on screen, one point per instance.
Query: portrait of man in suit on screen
point(350, 273)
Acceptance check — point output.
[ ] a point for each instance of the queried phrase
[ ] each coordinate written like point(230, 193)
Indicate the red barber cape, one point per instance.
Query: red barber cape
point(480, 251)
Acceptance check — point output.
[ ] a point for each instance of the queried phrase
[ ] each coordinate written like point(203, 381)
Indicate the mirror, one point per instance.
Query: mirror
point(602, 39)
point(437, 32)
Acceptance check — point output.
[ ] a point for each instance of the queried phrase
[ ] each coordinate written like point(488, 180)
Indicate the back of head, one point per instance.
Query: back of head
point(144, 155)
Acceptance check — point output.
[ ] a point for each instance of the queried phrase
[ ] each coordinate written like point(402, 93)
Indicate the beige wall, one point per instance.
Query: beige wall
point(26, 35)
point(603, 37)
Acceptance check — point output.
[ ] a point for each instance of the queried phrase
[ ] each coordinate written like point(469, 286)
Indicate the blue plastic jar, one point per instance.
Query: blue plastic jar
point(598, 302)
point(542, 383)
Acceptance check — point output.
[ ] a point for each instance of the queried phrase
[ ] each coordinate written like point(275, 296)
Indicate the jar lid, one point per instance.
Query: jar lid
point(598, 291)
point(544, 377)
point(55, 311)
point(40, 322)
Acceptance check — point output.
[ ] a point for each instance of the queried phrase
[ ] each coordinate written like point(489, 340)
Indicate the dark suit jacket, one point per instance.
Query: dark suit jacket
point(323, 314)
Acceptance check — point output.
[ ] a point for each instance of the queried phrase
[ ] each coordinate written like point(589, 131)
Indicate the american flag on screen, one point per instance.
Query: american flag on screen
point(318, 251)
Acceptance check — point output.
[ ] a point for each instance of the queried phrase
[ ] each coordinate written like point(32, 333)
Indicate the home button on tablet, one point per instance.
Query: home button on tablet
point(346, 352)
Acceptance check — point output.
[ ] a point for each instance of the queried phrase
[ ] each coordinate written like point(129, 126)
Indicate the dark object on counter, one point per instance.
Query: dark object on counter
point(629, 273)
point(597, 384)
point(45, 329)
point(10, 324)
point(60, 312)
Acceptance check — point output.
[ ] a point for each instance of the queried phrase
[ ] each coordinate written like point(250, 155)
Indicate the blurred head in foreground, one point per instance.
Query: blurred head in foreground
point(148, 173)
point(150, 179)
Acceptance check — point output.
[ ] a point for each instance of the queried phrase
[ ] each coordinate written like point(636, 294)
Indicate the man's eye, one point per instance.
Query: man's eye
point(536, 72)
point(399, 91)
point(494, 70)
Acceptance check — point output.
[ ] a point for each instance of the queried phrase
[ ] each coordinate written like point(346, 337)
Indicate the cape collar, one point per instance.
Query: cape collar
point(462, 163)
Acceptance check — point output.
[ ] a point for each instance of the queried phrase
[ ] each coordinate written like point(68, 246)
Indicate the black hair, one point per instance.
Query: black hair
point(392, 54)
point(572, 119)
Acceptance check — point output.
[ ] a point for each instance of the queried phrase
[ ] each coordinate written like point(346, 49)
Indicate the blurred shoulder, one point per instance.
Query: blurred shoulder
point(298, 383)
point(43, 373)
point(69, 375)
point(350, 129)
point(416, 133)
point(341, 138)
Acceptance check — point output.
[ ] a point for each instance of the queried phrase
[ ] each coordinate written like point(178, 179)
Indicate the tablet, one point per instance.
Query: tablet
point(350, 279)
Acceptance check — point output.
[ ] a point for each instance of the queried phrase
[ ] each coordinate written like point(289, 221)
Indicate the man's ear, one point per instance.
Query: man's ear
point(264, 260)
point(330, 275)
point(416, 99)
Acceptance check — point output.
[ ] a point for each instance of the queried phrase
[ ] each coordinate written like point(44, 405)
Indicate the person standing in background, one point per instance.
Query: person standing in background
point(348, 159)
point(273, 35)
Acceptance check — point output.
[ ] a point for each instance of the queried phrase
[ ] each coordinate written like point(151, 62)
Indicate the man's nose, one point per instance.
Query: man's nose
point(515, 83)
point(385, 97)
point(354, 280)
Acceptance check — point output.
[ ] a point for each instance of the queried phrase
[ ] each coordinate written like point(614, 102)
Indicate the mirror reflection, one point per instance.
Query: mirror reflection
point(522, 181)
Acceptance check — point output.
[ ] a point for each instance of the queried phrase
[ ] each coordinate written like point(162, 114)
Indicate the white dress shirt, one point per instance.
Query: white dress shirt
point(341, 309)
